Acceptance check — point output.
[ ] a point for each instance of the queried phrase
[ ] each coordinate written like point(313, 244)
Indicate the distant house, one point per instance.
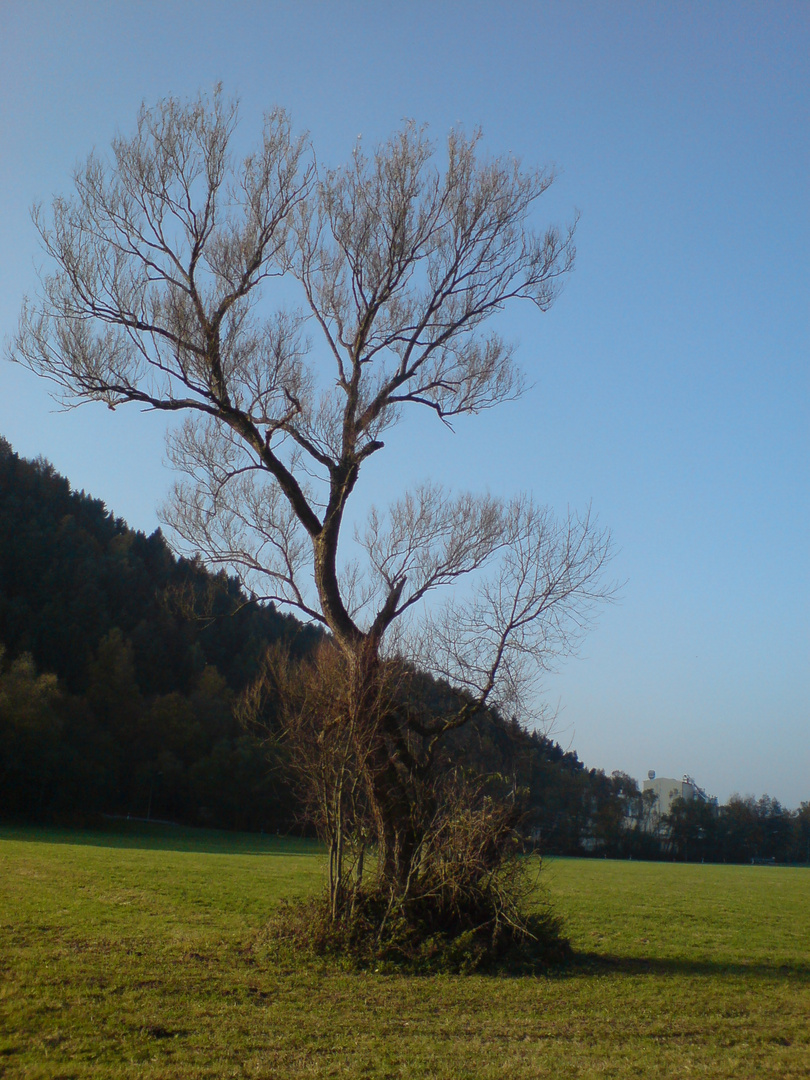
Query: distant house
point(667, 790)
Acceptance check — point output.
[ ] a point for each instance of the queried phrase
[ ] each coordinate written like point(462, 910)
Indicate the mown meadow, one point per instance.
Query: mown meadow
point(145, 953)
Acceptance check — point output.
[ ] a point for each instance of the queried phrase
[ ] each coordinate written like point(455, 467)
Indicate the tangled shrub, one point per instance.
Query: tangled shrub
point(471, 903)
point(425, 864)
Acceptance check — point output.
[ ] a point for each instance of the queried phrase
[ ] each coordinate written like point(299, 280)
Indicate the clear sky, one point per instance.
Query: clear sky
point(670, 381)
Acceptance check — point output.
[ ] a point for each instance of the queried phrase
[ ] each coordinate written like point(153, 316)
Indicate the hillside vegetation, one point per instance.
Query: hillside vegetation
point(120, 665)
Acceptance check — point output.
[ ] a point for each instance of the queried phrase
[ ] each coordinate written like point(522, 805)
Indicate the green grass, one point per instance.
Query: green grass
point(143, 953)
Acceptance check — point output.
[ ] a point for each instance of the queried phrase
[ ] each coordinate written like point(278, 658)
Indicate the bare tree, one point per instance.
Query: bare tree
point(163, 259)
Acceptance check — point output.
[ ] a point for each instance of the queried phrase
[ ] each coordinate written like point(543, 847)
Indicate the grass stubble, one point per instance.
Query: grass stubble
point(146, 954)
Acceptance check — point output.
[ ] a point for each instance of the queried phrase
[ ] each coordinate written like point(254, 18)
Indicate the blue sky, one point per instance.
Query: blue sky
point(670, 381)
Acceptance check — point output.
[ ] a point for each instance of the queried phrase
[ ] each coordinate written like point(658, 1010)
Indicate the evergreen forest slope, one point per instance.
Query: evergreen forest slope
point(121, 665)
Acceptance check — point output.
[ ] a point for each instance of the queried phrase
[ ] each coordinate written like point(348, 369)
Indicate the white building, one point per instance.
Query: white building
point(667, 790)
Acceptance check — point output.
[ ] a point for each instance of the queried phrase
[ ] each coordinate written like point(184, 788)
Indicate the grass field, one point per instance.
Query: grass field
point(145, 955)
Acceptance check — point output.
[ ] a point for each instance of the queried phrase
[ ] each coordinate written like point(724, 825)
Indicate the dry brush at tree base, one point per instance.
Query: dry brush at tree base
point(467, 900)
point(162, 258)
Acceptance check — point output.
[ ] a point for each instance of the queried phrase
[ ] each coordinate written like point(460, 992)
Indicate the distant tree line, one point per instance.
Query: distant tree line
point(122, 669)
point(744, 830)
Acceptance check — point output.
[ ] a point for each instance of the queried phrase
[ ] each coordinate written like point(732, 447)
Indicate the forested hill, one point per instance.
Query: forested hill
point(71, 572)
point(115, 694)
point(120, 665)
point(115, 699)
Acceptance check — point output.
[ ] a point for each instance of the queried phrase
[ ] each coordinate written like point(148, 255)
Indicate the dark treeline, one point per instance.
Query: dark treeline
point(121, 667)
point(744, 830)
point(116, 694)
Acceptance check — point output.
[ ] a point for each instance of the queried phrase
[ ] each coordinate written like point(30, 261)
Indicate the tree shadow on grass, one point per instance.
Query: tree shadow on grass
point(156, 836)
point(587, 963)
